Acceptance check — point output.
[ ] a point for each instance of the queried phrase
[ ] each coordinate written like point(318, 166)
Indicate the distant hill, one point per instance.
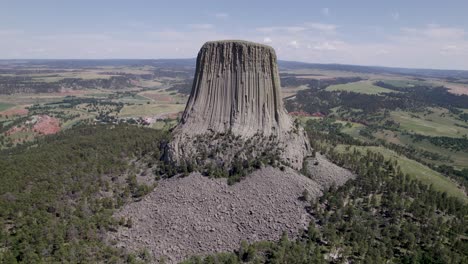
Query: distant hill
point(376, 69)
point(283, 65)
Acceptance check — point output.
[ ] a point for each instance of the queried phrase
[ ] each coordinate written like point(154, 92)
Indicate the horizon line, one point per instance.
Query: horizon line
point(194, 58)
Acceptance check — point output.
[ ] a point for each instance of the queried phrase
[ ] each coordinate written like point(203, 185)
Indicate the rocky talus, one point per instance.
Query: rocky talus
point(326, 173)
point(196, 215)
point(236, 90)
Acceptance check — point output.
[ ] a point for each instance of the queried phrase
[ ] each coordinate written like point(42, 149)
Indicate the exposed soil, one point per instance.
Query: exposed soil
point(46, 125)
point(42, 125)
point(196, 215)
point(458, 89)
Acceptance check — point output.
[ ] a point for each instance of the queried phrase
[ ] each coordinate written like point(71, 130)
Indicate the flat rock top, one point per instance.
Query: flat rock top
point(237, 42)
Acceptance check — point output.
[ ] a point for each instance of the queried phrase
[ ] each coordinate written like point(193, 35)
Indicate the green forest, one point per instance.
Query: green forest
point(57, 196)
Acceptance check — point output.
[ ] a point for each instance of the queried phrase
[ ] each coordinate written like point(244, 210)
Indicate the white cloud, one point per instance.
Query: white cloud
point(435, 31)
point(136, 24)
point(395, 16)
point(294, 44)
point(167, 34)
point(382, 52)
point(329, 28)
point(454, 49)
point(325, 46)
point(9, 32)
point(201, 26)
point(325, 11)
point(222, 15)
point(291, 29)
point(430, 46)
point(322, 27)
point(267, 40)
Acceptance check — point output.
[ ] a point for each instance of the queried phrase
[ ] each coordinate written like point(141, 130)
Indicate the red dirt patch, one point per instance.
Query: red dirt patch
point(41, 125)
point(46, 125)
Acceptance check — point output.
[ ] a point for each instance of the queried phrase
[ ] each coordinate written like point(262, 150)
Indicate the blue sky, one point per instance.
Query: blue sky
point(429, 34)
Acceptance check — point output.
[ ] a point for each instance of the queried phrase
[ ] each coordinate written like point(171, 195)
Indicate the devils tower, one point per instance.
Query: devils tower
point(235, 111)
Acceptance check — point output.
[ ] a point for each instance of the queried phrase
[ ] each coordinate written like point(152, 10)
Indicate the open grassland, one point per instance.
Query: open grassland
point(455, 88)
point(416, 170)
point(164, 96)
point(353, 129)
point(389, 136)
point(150, 84)
point(324, 74)
point(5, 106)
point(164, 124)
point(290, 91)
point(406, 83)
point(438, 123)
point(350, 128)
point(139, 110)
point(365, 87)
point(459, 159)
point(88, 74)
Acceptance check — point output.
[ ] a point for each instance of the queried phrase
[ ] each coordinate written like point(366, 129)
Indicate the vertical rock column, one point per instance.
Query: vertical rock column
point(236, 90)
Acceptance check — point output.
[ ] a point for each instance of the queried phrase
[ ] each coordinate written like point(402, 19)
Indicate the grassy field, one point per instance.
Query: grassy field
point(164, 125)
point(416, 170)
point(438, 123)
point(365, 87)
point(389, 136)
point(456, 88)
point(164, 97)
point(150, 109)
point(405, 83)
point(5, 106)
point(459, 158)
point(353, 130)
point(150, 84)
point(290, 91)
point(99, 95)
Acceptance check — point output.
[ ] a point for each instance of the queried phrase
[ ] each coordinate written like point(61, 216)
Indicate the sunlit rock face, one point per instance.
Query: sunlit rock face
point(235, 109)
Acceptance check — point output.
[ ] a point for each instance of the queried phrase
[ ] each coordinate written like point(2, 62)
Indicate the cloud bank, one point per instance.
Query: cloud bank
point(429, 46)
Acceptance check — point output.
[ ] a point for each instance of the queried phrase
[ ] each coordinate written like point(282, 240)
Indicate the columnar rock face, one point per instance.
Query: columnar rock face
point(235, 108)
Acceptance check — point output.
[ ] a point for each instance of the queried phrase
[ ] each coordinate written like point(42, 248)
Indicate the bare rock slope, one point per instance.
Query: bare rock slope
point(326, 173)
point(236, 91)
point(198, 215)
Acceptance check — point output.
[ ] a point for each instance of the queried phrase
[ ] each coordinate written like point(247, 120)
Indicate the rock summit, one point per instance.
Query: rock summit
point(235, 110)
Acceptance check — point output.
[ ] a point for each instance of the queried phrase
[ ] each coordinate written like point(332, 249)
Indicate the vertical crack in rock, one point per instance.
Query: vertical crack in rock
point(236, 92)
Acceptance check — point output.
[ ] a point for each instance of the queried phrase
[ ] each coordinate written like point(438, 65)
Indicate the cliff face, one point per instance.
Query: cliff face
point(236, 91)
point(236, 88)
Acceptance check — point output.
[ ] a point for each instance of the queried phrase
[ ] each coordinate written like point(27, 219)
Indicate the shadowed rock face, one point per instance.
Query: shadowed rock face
point(236, 90)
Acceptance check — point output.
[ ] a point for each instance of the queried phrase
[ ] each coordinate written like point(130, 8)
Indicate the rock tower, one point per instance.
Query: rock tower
point(235, 110)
